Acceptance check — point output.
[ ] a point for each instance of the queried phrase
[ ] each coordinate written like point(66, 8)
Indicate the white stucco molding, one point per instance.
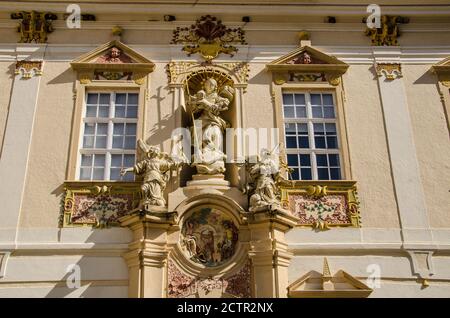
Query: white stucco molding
point(4, 256)
point(422, 263)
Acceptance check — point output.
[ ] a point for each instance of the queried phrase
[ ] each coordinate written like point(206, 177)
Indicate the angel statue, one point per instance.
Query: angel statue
point(156, 168)
point(264, 176)
point(208, 103)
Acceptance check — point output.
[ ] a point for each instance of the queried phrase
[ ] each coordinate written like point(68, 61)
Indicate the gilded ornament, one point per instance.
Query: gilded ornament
point(208, 37)
point(390, 70)
point(388, 32)
point(28, 69)
point(34, 26)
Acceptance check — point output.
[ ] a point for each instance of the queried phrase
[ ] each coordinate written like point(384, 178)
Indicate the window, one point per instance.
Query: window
point(311, 136)
point(109, 136)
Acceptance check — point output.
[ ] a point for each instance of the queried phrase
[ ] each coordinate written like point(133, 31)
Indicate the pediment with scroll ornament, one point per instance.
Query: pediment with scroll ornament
point(307, 64)
point(112, 61)
point(442, 70)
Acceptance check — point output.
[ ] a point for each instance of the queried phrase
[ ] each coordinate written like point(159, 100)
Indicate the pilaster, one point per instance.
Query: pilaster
point(147, 253)
point(269, 251)
point(17, 138)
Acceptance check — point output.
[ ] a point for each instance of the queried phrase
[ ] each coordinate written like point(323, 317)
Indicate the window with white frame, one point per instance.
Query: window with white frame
point(311, 136)
point(109, 135)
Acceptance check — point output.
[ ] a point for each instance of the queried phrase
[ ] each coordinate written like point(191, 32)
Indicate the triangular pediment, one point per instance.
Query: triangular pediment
point(308, 59)
point(113, 55)
point(317, 285)
point(442, 69)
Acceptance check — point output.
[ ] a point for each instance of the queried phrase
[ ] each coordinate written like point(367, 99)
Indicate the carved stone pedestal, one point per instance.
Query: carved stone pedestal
point(147, 255)
point(268, 250)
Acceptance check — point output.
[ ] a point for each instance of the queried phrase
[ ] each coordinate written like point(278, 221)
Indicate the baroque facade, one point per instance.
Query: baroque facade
point(203, 149)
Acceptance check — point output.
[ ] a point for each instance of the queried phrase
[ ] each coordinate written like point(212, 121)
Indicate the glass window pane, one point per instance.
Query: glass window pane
point(292, 160)
point(104, 99)
point(321, 160)
point(88, 142)
point(302, 129)
point(294, 175)
point(114, 174)
point(327, 99)
point(128, 177)
point(102, 129)
point(121, 99)
point(130, 129)
point(305, 160)
point(318, 129)
point(103, 111)
point(117, 142)
point(289, 129)
point(306, 173)
point(100, 142)
point(299, 99)
point(301, 111)
point(89, 129)
point(303, 142)
point(291, 142)
point(331, 129)
point(317, 112)
point(335, 174)
point(128, 161)
point(332, 143)
point(118, 129)
point(116, 160)
point(328, 112)
point(131, 112)
point(322, 173)
point(132, 99)
point(289, 112)
point(320, 142)
point(98, 174)
point(288, 99)
point(91, 111)
point(86, 160)
point(315, 99)
point(92, 99)
point(334, 160)
point(85, 173)
point(99, 160)
point(130, 142)
point(120, 112)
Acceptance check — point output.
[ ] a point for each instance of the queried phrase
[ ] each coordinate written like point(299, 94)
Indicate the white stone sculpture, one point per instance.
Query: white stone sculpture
point(262, 186)
point(207, 104)
point(156, 168)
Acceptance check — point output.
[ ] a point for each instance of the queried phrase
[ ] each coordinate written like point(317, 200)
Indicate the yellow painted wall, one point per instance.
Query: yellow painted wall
point(431, 138)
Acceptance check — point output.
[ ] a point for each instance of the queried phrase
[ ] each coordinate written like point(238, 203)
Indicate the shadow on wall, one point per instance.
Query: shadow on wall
point(96, 271)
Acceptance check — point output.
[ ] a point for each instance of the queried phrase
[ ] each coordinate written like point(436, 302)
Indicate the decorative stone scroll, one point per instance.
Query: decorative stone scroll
point(28, 69)
point(98, 205)
point(390, 71)
point(176, 71)
point(322, 204)
point(181, 285)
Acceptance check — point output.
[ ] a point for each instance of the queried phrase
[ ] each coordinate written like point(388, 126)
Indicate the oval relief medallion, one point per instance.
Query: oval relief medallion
point(209, 237)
